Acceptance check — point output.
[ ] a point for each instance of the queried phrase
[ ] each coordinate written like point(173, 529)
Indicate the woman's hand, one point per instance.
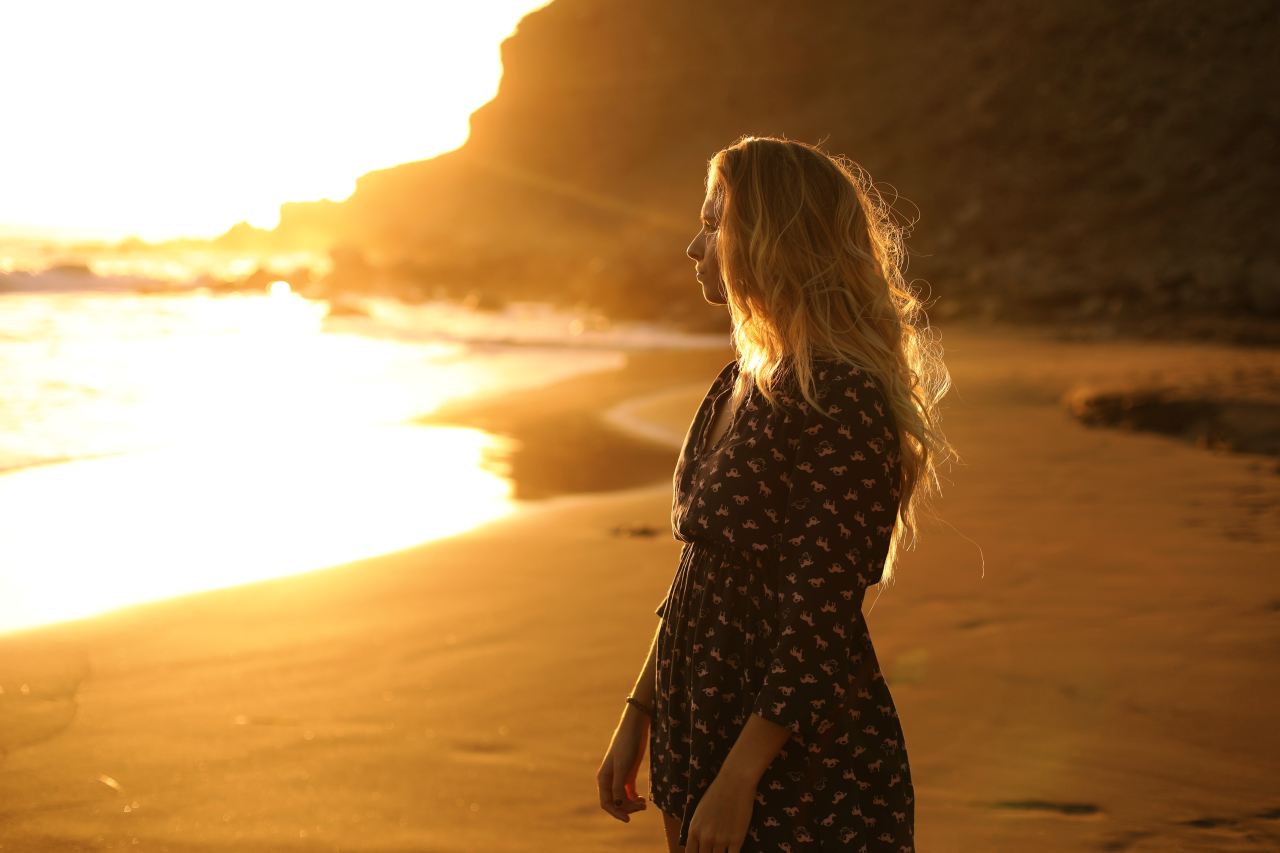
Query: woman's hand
point(617, 776)
point(720, 821)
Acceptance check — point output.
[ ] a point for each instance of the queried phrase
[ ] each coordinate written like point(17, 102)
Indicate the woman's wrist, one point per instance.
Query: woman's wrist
point(636, 707)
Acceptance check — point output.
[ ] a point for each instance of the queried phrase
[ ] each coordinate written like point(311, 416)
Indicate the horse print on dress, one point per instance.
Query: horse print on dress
point(785, 523)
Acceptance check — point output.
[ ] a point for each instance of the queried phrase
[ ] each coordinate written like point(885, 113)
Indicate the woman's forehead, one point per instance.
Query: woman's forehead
point(711, 204)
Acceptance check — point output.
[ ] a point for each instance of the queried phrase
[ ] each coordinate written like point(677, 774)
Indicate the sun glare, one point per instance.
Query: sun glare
point(163, 119)
point(239, 439)
point(108, 532)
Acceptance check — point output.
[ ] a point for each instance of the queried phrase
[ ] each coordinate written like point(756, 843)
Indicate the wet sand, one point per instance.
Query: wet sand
point(1082, 649)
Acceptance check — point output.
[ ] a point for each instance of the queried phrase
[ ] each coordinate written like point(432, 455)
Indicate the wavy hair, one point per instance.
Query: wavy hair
point(811, 260)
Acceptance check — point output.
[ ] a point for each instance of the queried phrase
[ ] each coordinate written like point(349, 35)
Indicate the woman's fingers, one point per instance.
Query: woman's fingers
point(630, 800)
point(622, 796)
point(618, 793)
point(632, 803)
point(604, 781)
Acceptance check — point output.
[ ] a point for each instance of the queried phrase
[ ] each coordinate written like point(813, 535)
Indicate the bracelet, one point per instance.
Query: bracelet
point(631, 700)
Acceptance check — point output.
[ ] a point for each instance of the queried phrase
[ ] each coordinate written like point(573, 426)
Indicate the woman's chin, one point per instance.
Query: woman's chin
point(711, 294)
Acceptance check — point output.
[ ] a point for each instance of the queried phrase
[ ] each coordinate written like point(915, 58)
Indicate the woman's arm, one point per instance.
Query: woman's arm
point(616, 778)
point(645, 682)
point(841, 507)
point(757, 745)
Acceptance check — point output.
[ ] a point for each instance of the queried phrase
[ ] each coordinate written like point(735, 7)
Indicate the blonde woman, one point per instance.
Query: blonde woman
point(769, 724)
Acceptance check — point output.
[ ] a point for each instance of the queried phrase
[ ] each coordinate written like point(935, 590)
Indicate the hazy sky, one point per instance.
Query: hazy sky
point(183, 117)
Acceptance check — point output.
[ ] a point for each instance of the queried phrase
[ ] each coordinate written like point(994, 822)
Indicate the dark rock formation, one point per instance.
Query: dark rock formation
point(1088, 161)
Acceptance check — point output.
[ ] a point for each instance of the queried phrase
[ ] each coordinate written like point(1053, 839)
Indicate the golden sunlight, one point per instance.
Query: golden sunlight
point(108, 532)
point(162, 119)
point(185, 443)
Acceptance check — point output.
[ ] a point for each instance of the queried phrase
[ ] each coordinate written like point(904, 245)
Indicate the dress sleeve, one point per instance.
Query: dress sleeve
point(842, 503)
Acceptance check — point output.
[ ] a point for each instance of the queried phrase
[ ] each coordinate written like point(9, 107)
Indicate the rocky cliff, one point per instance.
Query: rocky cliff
point(1096, 160)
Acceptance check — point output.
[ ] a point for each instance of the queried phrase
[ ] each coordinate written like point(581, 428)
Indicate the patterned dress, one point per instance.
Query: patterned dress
point(785, 523)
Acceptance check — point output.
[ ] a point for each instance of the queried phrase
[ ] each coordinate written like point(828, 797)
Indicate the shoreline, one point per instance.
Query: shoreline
point(580, 436)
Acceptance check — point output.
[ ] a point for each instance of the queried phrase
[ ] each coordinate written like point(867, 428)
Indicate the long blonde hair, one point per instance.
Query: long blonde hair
point(812, 261)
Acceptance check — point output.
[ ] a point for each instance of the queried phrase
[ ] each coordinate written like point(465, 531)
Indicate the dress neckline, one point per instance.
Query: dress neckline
point(701, 451)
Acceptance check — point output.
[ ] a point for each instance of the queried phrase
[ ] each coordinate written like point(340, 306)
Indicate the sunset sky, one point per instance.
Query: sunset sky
point(163, 119)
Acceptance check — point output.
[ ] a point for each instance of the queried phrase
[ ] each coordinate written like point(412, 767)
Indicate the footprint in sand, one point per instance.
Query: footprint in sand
point(37, 695)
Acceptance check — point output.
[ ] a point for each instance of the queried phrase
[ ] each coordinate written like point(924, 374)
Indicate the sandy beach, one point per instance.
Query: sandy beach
point(1082, 649)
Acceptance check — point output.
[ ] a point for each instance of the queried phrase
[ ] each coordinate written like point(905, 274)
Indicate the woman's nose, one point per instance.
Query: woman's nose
point(694, 251)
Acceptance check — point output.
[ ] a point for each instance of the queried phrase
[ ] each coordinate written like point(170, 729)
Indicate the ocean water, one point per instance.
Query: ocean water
point(158, 444)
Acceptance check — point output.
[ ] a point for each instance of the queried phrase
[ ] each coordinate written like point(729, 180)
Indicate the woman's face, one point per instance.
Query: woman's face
point(702, 250)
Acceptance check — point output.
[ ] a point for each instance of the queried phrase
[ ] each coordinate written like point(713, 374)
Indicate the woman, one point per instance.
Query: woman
point(769, 724)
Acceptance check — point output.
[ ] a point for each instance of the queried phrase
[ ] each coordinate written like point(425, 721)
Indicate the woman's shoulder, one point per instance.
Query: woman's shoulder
point(850, 400)
point(837, 371)
point(724, 379)
point(833, 380)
